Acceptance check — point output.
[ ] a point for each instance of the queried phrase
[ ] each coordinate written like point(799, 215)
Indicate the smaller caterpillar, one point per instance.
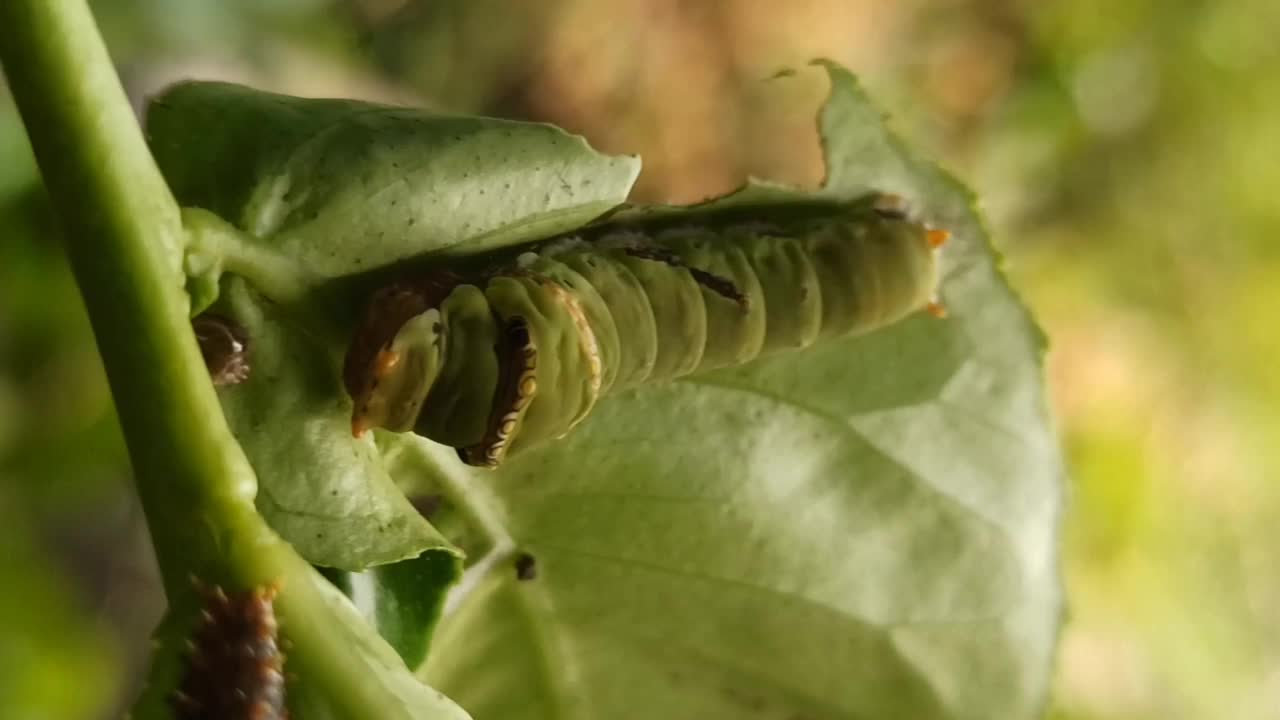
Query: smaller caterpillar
point(225, 347)
point(233, 668)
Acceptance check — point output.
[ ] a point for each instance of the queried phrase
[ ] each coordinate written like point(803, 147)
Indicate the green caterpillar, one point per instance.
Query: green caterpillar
point(492, 361)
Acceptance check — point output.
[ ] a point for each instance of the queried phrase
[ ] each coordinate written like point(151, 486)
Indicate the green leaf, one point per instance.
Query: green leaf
point(428, 474)
point(324, 491)
point(403, 600)
point(317, 190)
point(341, 186)
point(866, 529)
point(329, 494)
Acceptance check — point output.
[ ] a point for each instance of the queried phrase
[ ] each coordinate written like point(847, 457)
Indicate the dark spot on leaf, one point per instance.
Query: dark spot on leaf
point(427, 505)
point(745, 699)
point(526, 566)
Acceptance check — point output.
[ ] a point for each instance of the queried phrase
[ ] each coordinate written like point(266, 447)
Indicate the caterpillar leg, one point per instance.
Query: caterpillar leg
point(718, 284)
point(517, 384)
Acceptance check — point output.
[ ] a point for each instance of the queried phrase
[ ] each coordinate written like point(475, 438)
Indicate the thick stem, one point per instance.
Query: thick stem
point(124, 237)
point(125, 240)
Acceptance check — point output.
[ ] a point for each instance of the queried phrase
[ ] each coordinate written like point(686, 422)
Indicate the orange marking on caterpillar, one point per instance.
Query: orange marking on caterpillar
point(359, 426)
point(386, 361)
point(937, 238)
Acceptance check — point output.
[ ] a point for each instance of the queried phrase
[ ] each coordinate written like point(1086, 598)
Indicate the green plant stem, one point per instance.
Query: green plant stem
point(214, 240)
point(124, 238)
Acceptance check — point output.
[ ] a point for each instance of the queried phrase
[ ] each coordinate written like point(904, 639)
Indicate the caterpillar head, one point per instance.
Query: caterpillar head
point(911, 253)
point(922, 244)
point(393, 360)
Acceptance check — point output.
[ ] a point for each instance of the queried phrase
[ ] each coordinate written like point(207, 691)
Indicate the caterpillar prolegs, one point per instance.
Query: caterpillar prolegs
point(511, 357)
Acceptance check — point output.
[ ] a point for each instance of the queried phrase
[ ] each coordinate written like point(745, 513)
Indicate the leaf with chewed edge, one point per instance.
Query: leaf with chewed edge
point(864, 529)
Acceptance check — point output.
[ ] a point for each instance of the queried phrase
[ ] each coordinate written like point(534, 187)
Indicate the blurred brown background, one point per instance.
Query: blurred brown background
point(1127, 154)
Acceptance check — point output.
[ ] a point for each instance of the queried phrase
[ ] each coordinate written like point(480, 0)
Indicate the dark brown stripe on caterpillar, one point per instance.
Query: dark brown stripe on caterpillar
point(718, 284)
point(516, 388)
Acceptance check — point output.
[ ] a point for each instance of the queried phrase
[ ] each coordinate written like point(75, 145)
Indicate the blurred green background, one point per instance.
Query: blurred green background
point(1127, 153)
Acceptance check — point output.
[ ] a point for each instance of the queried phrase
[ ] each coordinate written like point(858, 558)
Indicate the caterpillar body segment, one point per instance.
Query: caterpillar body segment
point(458, 403)
point(233, 668)
point(449, 356)
point(632, 315)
